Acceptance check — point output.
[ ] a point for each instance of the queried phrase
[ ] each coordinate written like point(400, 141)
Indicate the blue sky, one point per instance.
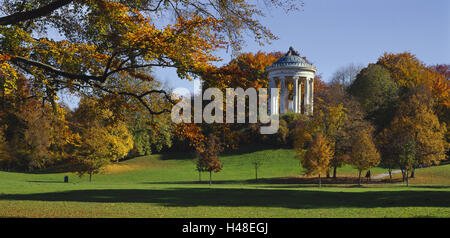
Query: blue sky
point(335, 33)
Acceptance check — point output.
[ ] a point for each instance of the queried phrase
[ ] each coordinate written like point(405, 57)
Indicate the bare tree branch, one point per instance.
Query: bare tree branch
point(140, 97)
point(53, 70)
point(17, 17)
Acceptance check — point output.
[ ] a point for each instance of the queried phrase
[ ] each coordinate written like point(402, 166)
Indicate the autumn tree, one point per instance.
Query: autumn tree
point(409, 72)
point(338, 116)
point(117, 138)
point(317, 158)
point(417, 122)
point(92, 155)
point(443, 69)
point(385, 141)
point(247, 70)
point(331, 121)
point(104, 137)
point(37, 135)
point(305, 128)
point(364, 154)
point(443, 112)
point(35, 132)
point(208, 156)
point(5, 153)
point(101, 42)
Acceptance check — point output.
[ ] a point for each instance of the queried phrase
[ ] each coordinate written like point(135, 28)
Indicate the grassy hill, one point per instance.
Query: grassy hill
point(237, 168)
point(167, 186)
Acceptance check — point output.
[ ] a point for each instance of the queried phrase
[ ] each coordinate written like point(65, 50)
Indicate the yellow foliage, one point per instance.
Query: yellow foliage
point(318, 156)
point(416, 120)
point(410, 72)
point(8, 76)
point(364, 154)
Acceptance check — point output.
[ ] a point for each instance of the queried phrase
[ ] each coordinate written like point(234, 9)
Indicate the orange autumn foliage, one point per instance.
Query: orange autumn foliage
point(408, 71)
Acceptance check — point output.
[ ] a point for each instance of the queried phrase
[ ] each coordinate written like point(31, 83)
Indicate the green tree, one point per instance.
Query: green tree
point(257, 162)
point(377, 93)
point(407, 158)
point(149, 133)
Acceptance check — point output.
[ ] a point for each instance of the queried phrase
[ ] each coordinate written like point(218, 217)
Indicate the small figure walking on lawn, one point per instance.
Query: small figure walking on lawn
point(368, 175)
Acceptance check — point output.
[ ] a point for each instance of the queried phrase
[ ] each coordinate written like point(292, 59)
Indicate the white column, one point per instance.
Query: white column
point(299, 95)
point(312, 96)
point(283, 95)
point(271, 96)
point(276, 99)
point(296, 95)
point(277, 104)
point(286, 95)
point(306, 97)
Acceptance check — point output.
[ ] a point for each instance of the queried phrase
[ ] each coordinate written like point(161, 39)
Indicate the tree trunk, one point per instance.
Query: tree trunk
point(403, 174)
point(320, 182)
point(413, 172)
point(359, 177)
point(334, 172)
point(390, 175)
point(210, 177)
point(90, 177)
point(328, 173)
point(407, 181)
point(199, 176)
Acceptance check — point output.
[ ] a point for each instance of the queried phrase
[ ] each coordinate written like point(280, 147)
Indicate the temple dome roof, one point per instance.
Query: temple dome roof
point(292, 59)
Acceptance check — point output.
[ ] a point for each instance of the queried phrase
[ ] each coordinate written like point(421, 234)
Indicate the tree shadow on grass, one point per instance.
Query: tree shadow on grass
point(42, 181)
point(431, 186)
point(230, 197)
point(310, 181)
point(177, 156)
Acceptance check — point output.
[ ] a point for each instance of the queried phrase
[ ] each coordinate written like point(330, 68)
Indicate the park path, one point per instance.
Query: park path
point(380, 176)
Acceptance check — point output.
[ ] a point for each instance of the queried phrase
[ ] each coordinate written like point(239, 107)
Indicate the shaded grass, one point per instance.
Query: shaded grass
point(226, 201)
point(302, 198)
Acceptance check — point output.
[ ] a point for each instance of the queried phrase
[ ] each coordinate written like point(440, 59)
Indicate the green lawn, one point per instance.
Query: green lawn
point(167, 186)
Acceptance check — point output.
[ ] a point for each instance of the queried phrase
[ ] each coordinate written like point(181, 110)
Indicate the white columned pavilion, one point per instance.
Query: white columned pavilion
point(291, 70)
